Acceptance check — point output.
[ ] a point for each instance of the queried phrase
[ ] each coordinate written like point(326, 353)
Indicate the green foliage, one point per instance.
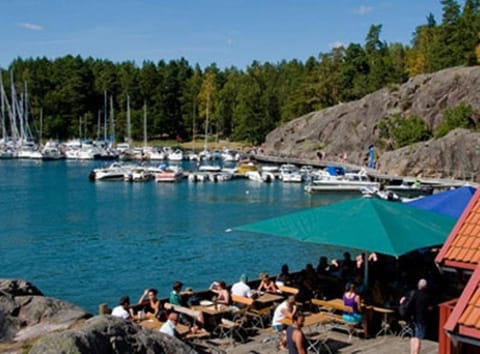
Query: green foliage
point(397, 131)
point(244, 104)
point(461, 116)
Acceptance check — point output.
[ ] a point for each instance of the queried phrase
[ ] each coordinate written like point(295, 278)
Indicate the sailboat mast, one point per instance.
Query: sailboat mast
point(26, 127)
point(205, 147)
point(129, 123)
point(2, 98)
point(112, 121)
point(13, 119)
point(105, 115)
point(41, 124)
point(193, 123)
point(145, 123)
point(98, 125)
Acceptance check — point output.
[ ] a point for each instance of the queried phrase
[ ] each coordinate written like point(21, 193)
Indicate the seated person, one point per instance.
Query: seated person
point(241, 288)
point(266, 284)
point(123, 309)
point(153, 305)
point(220, 288)
point(323, 268)
point(170, 326)
point(285, 310)
point(176, 297)
point(353, 300)
point(284, 278)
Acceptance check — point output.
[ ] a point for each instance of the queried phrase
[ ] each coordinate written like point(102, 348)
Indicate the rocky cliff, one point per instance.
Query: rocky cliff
point(33, 323)
point(348, 129)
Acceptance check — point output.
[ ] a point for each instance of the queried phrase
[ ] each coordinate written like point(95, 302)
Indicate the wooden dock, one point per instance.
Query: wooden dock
point(372, 173)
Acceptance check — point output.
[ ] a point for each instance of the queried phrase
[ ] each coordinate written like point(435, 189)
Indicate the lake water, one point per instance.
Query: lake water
point(90, 243)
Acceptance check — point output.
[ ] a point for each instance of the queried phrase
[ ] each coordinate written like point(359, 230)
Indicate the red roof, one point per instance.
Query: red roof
point(466, 313)
point(462, 248)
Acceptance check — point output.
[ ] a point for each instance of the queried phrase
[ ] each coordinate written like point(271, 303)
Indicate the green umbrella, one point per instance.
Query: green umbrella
point(365, 224)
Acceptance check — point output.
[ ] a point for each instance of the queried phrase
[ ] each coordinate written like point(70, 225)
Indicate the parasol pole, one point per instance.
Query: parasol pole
point(365, 270)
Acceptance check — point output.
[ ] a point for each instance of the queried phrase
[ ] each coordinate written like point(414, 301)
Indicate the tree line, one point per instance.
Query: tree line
point(241, 105)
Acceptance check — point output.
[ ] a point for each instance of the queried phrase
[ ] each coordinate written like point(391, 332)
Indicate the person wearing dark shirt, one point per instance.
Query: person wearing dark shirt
point(296, 342)
point(420, 305)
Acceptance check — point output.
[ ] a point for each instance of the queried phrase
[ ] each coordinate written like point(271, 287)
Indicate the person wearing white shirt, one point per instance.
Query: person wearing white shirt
point(241, 288)
point(123, 309)
point(169, 327)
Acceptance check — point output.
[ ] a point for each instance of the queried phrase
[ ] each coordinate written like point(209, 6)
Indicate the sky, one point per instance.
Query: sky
point(225, 32)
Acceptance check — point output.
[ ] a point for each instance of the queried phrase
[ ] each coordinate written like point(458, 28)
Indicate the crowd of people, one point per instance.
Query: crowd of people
point(389, 279)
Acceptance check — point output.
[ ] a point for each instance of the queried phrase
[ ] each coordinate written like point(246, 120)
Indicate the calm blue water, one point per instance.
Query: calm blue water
point(90, 243)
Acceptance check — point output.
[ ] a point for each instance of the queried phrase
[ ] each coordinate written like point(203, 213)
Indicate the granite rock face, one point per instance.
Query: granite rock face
point(107, 334)
point(33, 323)
point(348, 129)
point(25, 313)
point(456, 155)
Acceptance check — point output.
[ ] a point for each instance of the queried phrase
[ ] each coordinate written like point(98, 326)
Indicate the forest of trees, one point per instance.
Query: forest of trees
point(243, 105)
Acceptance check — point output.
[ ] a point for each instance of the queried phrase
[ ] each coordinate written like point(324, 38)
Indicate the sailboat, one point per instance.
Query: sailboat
point(205, 154)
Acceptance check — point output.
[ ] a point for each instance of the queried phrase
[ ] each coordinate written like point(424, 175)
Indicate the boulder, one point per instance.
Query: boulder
point(108, 334)
point(25, 313)
point(18, 287)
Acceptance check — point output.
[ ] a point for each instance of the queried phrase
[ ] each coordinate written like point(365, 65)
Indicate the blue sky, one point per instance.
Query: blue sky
point(225, 32)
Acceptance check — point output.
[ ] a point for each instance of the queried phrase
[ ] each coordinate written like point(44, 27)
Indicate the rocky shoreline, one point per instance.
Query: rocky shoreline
point(33, 323)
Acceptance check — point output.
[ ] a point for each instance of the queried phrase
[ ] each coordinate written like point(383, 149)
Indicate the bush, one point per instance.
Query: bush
point(462, 116)
point(400, 131)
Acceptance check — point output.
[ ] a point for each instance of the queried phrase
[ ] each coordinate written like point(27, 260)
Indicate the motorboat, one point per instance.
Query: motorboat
point(410, 189)
point(153, 153)
point(224, 176)
point(290, 174)
point(169, 174)
point(140, 174)
point(116, 171)
point(260, 176)
point(270, 168)
point(210, 168)
point(29, 151)
point(52, 153)
point(176, 155)
point(246, 165)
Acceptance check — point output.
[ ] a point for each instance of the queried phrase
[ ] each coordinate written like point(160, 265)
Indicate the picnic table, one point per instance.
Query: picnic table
point(268, 298)
point(315, 330)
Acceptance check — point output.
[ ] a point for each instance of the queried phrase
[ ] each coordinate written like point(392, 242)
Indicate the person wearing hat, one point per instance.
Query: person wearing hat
point(123, 310)
point(241, 288)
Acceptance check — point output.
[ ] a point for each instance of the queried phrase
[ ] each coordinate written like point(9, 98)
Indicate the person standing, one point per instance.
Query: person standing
point(296, 341)
point(419, 306)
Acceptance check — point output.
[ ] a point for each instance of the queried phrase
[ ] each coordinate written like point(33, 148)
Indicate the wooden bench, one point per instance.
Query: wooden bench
point(258, 316)
point(193, 314)
point(335, 309)
point(288, 290)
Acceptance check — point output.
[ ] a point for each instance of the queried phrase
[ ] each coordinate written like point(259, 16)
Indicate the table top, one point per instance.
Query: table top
point(336, 302)
point(151, 323)
point(268, 298)
point(313, 319)
point(383, 309)
point(183, 330)
point(211, 310)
